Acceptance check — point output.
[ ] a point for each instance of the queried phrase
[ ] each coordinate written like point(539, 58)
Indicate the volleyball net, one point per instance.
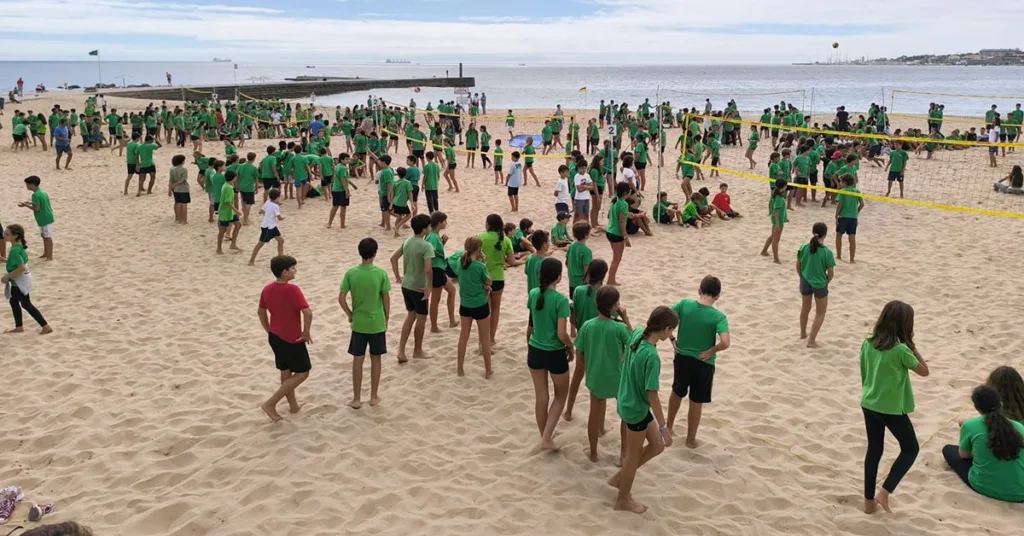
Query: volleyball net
point(742, 101)
point(924, 109)
point(942, 173)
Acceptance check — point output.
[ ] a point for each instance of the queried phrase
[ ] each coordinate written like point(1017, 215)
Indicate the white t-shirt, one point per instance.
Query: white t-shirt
point(270, 212)
point(562, 191)
point(629, 177)
point(515, 175)
point(582, 180)
point(276, 116)
point(993, 134)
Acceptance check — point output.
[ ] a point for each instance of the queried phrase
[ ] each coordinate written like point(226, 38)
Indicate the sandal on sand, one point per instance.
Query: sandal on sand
point(38, 511)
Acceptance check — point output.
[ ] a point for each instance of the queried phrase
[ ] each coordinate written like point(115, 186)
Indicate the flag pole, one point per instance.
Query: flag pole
point(99, 66)
point(659, 142)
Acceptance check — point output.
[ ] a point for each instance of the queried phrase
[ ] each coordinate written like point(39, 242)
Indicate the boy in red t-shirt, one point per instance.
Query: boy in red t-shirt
point(723, 202)
point(282, 305)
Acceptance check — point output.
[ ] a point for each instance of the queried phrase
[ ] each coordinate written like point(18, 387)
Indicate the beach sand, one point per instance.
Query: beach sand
point(140, 414)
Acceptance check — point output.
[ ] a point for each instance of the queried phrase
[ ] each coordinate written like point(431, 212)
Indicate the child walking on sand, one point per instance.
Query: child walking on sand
point(600, 345)
point(849, 203)
point(639, 405)
point(438, 223)
point(18, 281)
point(514, 181)
point(416, 286)
point(177, 189)
point(271, 212)
point(498, 254)
point(39, 204)
point(550, 349)
point(777, 213)
point(815, 267)
point(227, 214)
point(368, 318)
point(474, 286)
point(282, 305)
point(887, 399)
point(703, 332)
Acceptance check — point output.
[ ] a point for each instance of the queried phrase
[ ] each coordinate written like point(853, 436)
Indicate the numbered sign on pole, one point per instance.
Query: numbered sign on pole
point(611, 131)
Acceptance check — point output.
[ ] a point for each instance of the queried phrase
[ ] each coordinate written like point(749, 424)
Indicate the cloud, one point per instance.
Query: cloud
point(618, 31)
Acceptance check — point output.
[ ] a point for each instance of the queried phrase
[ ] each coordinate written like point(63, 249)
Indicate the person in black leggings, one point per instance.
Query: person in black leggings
point(886, 358)
point(18, 280)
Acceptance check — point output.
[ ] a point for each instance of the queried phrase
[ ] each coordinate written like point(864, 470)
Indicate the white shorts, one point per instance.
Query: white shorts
point(46, 231)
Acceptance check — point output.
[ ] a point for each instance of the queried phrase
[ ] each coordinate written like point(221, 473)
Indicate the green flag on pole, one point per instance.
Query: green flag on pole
point(94, 53)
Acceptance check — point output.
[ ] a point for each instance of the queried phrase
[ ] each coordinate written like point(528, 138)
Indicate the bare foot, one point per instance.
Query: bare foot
point(46, 329)
point(460, 372)
point(271, 412)
point(764, 253)
point(355, 404)
point(612, 283)
point(777, 261)
point(453, 324)
point(883, 500)
point(691, 443)
point(252, 263)
point(869, 506)
point(420, 355)
point(488, 373)
point(435, 329)
point(15, 330)
point(548, 445)
point(297, 408)
point(374, 400)
point(402, 359)
point(235, 248)
point(219, 252)
point(567, 416)
point(593, 456)
point(812, 344)
point(631, 506)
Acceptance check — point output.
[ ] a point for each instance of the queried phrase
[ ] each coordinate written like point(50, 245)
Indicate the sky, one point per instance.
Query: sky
point(483, 31)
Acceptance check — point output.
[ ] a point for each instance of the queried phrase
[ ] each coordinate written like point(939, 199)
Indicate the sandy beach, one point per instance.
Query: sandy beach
point(140, 414)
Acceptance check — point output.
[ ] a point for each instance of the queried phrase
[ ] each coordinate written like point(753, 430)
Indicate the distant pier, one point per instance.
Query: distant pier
point(285, 90)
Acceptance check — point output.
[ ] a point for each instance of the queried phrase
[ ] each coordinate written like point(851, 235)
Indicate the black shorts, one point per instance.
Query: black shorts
point(513, 191)
point(528, 165)
point(497, 286)
point(21, 137)
point(664, 219)
point(414, 301)
point(401, 211)
point(875, 150)
point(248, 198)
point(896, 176)
point(547, 144)
point(418, 153)
point(614, 238)
point(694, 376)
point(691, 221)
point(813, 177)
point(452, 165)
point(266, 235)
point(641, 165)
point(358, 343)
point(385, 206)
point(715, 161)
point(439, 277)
point(325, 183)
point(553, 361)
point(182, 197)
point(846, 226)
point(293, 357)
point(497, 169)
point(450, 273)
point(642, 425)
point(415, 193)
point(147, 169)
point(561, 207)
point(339, 199)
point(271, 183)
point(801, 180)
point(806, 289)
point(227, 223)
point(476, 313)
point(131, 169)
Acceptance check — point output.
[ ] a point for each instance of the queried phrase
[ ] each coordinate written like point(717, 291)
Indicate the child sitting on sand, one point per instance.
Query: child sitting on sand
point(665, 211)
point(282, 304)
point(560, 232)
point(520, 237)
point(723, 202)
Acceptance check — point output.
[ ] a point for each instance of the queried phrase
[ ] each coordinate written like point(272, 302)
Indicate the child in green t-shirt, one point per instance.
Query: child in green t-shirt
point(560, 232)
point(777, 213)
point(474, 288)
point(227, 213)
point(368, 316)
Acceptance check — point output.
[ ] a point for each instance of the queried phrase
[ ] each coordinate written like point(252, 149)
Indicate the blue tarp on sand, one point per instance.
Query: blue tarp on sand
point(520, 141)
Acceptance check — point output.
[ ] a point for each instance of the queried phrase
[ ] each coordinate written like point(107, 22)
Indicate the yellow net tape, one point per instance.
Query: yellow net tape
point(199, 91)
point(477, 118)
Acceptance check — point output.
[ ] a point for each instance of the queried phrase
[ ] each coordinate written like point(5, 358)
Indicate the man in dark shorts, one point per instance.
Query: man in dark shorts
point(700, 325)
point(282, 305)
point(416, 286)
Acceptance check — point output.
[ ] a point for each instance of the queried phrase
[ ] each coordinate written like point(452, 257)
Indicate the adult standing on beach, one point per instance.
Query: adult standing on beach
point(483, 103)
point(21, 87)
point(886, 358)
point(168, 78)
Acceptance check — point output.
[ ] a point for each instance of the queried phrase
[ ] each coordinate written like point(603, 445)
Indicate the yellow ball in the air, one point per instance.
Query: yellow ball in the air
point(835, 45)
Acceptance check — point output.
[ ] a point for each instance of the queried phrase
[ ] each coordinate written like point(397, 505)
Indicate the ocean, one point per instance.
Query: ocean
point(817, 88)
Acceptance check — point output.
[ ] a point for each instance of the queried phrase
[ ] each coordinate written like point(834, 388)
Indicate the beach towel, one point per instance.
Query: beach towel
point(24, 282)
point(520, 140)
point(9, 498)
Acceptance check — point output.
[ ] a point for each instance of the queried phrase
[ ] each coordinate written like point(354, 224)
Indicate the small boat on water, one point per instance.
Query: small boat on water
point(222, 60)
